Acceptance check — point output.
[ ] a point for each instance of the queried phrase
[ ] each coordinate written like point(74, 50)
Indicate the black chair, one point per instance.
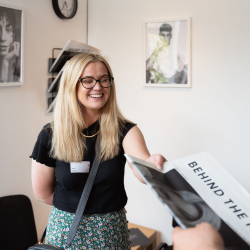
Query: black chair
point(17, 223)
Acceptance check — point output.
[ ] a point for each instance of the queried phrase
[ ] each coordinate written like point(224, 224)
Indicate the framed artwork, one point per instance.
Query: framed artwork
point(167, 60)
point(11, 45)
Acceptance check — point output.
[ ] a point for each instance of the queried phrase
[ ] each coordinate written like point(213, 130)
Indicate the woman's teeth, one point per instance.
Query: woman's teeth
point(96, 96)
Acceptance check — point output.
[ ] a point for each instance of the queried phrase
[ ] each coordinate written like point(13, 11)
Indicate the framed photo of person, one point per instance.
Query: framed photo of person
point(167, 60)
point(11, 45)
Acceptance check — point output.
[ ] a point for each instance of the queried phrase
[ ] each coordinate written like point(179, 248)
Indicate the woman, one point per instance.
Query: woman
point(9, 48)
point(86, 113)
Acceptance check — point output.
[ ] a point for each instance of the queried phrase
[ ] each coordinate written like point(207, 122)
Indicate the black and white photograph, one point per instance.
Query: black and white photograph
point(167, 53)
point(11, 32)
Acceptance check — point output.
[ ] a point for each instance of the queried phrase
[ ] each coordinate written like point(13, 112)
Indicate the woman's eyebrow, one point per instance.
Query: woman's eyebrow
point(99, 77)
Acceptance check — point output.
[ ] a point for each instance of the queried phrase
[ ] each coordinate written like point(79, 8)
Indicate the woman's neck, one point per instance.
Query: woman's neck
point(90, 116)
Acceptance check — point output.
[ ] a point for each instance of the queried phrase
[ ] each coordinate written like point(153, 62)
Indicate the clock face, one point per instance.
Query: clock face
point(67, 7)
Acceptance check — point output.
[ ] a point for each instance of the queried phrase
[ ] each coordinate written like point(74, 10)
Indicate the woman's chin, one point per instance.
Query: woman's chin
point(94, 108)
point(3, 53)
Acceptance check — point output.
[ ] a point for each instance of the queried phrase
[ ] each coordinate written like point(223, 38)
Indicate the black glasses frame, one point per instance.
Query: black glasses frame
point(111, 79)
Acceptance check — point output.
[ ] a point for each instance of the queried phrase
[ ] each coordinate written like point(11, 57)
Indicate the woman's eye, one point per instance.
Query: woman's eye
point(104, 79)
point(9, 30)
point(87, 81)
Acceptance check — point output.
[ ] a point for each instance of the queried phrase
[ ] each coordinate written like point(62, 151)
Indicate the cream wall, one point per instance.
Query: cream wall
point(22, 109)
point(212, 116)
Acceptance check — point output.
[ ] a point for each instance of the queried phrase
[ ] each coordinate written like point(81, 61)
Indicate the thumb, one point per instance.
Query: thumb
point(176, 232)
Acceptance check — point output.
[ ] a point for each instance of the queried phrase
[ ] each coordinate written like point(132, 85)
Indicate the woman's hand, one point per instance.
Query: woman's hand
point(14, 51)
point(134, 145)
point(157, 160)
point(9, 61)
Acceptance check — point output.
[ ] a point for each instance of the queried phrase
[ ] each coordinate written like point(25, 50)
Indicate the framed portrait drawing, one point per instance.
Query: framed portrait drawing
point(167, 60)
point(11, 45)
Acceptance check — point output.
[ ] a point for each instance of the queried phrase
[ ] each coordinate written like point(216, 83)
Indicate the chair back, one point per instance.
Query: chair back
point(17, 223)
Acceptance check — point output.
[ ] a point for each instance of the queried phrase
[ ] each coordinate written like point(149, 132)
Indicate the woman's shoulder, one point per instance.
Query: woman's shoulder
point(127, 126)
point(45, 134)
point(42, 148)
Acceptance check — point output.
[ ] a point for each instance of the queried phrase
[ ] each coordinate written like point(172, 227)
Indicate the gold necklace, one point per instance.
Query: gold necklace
point(89, 136)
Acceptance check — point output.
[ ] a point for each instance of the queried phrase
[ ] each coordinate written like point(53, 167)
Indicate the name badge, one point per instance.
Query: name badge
point(80, 167)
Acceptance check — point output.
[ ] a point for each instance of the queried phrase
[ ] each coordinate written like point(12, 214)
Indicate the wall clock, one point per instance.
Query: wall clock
point(65, 9)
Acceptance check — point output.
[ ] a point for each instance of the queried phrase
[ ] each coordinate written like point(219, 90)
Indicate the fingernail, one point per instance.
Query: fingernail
point(158, 167)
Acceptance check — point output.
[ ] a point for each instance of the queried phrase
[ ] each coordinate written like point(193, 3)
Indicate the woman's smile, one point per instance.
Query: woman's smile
point(96, 96)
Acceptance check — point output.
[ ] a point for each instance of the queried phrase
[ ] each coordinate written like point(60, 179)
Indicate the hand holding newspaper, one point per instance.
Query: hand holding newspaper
point(198, 189)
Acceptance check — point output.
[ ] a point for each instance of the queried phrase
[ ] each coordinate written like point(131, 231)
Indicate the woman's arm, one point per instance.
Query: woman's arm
point(43, 182)
point(134, 144)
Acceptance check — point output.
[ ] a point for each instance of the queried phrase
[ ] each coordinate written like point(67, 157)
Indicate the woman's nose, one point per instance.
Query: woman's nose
point(2, 34)
point(97, 85)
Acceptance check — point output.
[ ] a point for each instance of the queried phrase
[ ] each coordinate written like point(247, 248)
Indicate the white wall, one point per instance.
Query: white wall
point(212, 116)
point(24, 116)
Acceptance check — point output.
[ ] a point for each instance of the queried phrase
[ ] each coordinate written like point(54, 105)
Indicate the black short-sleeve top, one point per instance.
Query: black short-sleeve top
point(108, 192)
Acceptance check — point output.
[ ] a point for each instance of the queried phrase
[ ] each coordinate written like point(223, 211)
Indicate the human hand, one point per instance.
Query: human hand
point(14, 51)
point(202, 237)
point(157, 160)
point(9, 63)
point(161, 44)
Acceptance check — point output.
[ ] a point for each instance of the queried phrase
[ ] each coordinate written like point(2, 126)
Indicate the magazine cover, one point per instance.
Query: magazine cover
point(198, 189)
point(71, 49)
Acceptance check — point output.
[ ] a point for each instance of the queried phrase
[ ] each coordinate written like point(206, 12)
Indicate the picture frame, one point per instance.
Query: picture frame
point(166, 53)
point(11, 45)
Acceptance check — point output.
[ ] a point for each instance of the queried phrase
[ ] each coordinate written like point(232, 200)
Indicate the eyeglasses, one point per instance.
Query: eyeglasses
point(90, 82)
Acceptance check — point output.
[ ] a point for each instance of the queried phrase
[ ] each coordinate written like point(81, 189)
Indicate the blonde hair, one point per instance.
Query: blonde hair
point(68, 142)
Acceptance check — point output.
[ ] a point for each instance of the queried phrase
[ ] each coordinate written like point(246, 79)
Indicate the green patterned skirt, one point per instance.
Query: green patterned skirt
point(95, 231)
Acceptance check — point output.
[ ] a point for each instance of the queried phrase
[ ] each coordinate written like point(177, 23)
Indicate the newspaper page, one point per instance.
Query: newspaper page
point(51, 106)
point(55, 84)
point(71, 49)
point(198, 189)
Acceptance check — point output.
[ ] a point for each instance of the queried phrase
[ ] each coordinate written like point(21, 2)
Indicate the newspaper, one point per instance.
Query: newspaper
point(55, 84)
point(51, 106)
point(71, 49)
point(198, 189)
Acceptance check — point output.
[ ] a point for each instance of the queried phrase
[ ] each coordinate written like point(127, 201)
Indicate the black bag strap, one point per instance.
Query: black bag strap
point(43, 236)
point(82, 203)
